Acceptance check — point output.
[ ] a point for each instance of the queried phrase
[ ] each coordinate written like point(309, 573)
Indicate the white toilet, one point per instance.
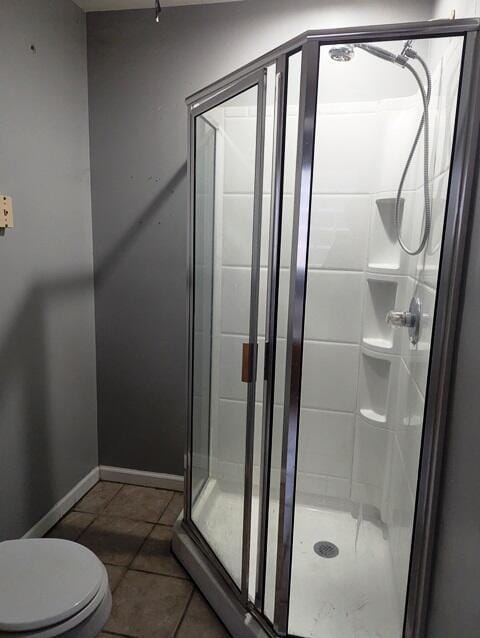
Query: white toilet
point(51, 587)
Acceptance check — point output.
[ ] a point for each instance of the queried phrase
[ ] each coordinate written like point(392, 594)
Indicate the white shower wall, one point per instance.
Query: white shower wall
point(338, 248)
point(400, 479)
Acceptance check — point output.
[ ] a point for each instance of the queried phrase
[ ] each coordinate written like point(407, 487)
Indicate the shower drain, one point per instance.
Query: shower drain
point(326, 549)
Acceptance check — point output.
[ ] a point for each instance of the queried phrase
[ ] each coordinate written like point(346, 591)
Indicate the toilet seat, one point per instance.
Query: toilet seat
point(78, 626)
point(48, 586)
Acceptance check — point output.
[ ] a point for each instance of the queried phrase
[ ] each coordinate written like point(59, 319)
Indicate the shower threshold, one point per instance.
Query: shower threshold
point(239, 622)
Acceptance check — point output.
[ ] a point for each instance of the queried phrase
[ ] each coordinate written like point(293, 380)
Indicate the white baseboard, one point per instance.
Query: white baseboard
point(105, 473)
point(138, 477)
point(63, 505)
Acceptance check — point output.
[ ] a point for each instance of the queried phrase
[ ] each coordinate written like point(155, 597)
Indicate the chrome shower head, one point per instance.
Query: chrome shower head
point(345, 52)
point(342, 52)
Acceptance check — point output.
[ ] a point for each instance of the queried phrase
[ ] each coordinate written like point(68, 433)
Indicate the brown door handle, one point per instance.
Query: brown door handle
point(247, 362)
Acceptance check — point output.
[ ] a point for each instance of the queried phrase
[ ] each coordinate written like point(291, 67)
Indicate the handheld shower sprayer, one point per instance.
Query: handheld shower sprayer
point(381, 53)
point(345, 53)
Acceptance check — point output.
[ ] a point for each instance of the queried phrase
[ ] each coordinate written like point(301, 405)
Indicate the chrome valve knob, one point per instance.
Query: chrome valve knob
point(409, 319)
point(398, 318)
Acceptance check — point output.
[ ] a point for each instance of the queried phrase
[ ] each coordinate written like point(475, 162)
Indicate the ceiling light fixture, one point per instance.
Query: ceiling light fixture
point(158, 9)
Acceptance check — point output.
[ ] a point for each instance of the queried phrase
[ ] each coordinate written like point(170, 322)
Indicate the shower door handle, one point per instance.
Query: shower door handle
point(248, 350)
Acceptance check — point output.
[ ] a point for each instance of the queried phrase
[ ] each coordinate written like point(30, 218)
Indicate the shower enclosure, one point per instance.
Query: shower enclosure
point(330, 191)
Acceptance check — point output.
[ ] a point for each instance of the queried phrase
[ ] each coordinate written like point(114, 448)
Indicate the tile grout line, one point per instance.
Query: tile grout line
point(72, 511)
point(124, 570)
point(94, 514)
point(127, 518)
point(182, 617)
point(102, 512)
point(133, 520)
point(106, 504)
point(142, 544)
point(166, 508)
point(185, 579)
point(87, 527)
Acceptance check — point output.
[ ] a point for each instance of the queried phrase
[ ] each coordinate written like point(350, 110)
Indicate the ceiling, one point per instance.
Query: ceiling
point(115, 5)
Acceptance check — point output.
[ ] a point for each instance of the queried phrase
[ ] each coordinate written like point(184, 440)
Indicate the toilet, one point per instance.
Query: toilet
point(51, 587)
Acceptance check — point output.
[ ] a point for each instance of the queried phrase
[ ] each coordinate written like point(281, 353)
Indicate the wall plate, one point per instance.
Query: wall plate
point(6, 212)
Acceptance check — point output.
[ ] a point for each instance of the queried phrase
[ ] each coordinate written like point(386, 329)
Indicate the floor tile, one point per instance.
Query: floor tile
point(115, 540)
point(98, 497)
point(71, 526)
point(173, 510)
point(156, 554)
point(139, 503)
point(115, 574)
point(148, 605)
point(200, 621)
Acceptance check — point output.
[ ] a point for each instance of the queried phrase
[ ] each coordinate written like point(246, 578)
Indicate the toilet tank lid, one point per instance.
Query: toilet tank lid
point(45, 581)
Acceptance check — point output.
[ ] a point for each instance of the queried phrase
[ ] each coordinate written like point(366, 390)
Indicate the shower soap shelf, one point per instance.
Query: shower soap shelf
point(378, 345)
point(372, 416)
point(385, 254)
point(383, 293)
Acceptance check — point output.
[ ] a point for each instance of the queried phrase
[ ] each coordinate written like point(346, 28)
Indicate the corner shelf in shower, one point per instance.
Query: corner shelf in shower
point(373, 387)
point(377, 375)
point(384, 252)
point(382, 294)
point(377, 344)
point(373, 417)
point(383, 268)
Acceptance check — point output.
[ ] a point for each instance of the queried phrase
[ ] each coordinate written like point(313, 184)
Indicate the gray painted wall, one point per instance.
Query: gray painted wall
point(455, 603)
point(139, 75)
point(47, 334)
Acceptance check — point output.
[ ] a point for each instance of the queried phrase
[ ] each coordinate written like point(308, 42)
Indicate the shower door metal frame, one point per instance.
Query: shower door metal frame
point(462, 179)
point(307, 115)
point(256, 78)
point(276, 209)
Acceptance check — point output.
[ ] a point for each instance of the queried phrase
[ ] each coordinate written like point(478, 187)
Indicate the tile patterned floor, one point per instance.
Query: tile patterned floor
point(130, 529)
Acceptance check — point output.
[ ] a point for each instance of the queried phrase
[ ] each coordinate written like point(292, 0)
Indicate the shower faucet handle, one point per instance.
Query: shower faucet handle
point(399, 318)
point(409, 319)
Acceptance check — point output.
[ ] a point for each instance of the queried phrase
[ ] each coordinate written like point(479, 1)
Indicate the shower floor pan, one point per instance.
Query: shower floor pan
point(349, 595)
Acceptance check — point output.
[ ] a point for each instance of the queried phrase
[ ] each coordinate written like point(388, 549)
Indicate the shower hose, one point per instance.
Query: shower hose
point(423, 126)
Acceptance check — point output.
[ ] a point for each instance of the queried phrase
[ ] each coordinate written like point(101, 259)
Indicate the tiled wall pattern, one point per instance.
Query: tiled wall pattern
point(408, 398)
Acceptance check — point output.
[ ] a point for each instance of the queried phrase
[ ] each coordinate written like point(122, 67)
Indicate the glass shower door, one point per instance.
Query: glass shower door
point(205, 135)
point(227, 166)
point(360, 330)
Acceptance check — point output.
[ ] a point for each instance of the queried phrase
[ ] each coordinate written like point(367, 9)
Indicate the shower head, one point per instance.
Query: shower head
point(342, 52)
point(346, 52)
